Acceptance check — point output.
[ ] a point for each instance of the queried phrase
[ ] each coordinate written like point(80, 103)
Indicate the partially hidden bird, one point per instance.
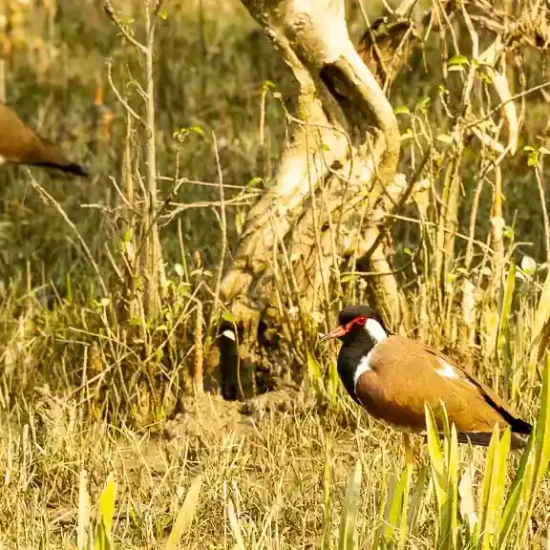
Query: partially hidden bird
point(20, 144)
point(393, 377)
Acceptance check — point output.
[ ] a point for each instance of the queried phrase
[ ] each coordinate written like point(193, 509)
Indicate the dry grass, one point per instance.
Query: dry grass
point(270, 462)
point(84, 395)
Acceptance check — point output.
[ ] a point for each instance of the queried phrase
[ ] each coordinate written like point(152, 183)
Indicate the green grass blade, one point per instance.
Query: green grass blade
point(333, 382)
point(397, 511)
point(439, 478)
point(315, 376)
point(105, 514)
point(404, 524)
point(417, 499)
point(452, 488)
point(185, 515)
point(541, 453)
point(542, 314)
point(436, 456)
point(327, 508)
point(542, 434)
point(486, 485)
point(349, 512)
point(525, 513)
point(497, 480)
point(513, 509)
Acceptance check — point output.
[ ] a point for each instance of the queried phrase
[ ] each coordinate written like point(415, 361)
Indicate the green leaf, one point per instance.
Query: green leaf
point(457, 60)
point(423, 104)
point(402, 110)
point(228, 316)
point(254, 181)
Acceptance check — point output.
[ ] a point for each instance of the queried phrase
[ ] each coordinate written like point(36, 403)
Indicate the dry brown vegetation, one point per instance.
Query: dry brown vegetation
point(113, 290)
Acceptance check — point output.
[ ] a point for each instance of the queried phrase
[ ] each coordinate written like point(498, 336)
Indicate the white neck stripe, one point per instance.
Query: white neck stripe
point(375, 330)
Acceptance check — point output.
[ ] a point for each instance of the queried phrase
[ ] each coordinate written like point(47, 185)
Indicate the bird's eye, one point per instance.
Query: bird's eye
point(361, 320)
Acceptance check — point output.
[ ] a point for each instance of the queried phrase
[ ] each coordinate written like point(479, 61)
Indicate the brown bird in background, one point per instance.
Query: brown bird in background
point(20, 144)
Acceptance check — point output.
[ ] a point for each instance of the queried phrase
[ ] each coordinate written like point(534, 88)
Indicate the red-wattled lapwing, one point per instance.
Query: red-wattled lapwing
point(20, 144)
point(392, 377)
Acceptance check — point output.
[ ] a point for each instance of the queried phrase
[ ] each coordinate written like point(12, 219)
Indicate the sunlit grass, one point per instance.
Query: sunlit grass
point(102, 445)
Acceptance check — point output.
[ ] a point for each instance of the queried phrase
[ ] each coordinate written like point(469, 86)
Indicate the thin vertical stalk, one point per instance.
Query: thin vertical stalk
point(540, 185)
point(223, 251)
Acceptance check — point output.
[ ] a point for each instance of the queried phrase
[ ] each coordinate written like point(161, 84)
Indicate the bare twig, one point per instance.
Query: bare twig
point(110, 11)
point(123, 102)
point(49, 199)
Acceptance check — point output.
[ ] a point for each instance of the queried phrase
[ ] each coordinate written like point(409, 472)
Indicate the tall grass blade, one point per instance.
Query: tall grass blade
point(496, 479)
point(486, 485)
point(467, 502)
point(404, 513)
point(315, 377)
point(417, 500)
point(235, 526)
point(397, 510)
point(452, 488)
point(538, 466)
point(105, 515)
point(333, 382)
point(438, 475)
point(83, 511)
point(349, 512)
point(542, 314)
point(185, 514)
point(327, 509)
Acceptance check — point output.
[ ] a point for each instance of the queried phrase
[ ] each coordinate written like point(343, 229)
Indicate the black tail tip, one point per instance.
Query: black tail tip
point(75, 169)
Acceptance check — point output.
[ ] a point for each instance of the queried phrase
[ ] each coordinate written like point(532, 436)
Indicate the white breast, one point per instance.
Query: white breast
point(362, 367)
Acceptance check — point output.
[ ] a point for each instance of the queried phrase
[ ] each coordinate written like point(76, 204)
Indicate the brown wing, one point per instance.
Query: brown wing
point(491, 397)
point(405, 375)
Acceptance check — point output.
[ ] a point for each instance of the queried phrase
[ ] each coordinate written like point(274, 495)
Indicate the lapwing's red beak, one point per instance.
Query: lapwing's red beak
point(335, 333)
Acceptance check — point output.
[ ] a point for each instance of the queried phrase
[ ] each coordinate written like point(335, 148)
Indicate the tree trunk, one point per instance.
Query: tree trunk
point(341, 156)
